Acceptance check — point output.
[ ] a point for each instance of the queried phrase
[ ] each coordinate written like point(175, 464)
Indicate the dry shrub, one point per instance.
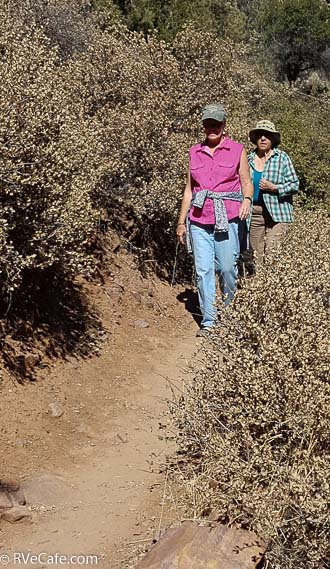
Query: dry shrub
point(51, 161)
point(254, 422)
point(96, 122)
point(96, 118)
point(50, 158)
point(147, 98)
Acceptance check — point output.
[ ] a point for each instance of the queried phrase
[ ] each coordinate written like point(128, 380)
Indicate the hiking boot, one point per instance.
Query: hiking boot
point(203, 332)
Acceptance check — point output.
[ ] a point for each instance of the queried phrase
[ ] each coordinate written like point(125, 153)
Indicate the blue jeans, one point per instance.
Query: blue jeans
point(214, 253)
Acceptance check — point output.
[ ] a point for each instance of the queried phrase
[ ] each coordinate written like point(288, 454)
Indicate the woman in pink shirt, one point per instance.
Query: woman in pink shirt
point(217, 196)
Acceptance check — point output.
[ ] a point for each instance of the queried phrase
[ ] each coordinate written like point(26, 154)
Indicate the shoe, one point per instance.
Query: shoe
point(203, 332)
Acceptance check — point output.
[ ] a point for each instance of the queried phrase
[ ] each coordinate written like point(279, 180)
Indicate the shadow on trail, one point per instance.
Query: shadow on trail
point(49, 315)
point(190, 299)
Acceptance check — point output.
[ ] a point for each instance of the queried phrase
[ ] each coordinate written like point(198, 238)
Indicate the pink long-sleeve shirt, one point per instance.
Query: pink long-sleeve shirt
point(218, 173)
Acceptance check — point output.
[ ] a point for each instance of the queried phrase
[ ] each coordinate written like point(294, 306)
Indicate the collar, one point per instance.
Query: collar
point(225, 144)
point(252, 154)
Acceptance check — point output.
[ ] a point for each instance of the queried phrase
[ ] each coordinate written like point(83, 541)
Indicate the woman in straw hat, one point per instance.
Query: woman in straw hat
point(217, 196)
point(274, 182)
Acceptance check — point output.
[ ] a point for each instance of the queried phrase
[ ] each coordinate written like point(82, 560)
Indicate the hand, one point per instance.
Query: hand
point(181, 233)
point(244, 209)
point(267, 185)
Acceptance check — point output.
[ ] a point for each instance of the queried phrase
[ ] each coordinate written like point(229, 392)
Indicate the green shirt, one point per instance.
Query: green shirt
point(280, 171)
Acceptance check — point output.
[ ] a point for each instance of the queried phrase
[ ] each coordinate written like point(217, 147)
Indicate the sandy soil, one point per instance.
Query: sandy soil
point(92, 476)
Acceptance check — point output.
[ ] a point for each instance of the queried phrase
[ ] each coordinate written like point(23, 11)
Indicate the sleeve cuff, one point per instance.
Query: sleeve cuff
point(281, 190)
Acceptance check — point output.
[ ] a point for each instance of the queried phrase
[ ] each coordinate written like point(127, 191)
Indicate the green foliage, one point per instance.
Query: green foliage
point(308, 147)
point(298, 32)
point(170, 17)
point(291, 19)
point(305, 137)
point(108, 5)
point(142, 17)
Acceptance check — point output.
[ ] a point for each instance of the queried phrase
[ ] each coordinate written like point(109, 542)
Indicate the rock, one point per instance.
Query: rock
point(137, 296)
point(23, 442)
point(16, 514)
point(10, 490)
point(5, 501)
point(56, 409)
point(122, 438)
point(30, 361)
point(9, 484)
point(72, 360)
point(18, 498)
point(141, 323)
point(195, 547)
point(114, 243)
point(46, 489)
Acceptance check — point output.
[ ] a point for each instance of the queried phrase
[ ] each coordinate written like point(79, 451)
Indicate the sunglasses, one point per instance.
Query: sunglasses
point(265, 133)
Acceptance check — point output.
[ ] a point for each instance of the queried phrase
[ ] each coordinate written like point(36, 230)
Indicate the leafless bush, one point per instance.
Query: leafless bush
point(255, 420)
point(67, 23)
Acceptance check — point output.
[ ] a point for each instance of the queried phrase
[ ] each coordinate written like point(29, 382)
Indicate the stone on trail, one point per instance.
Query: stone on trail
point(18, 498)
point(10, 493)
point(196, 547)
point(114, 242)
point(16, 514)
point(141, 323)
point(5, 501)
point(9, 485)
point(30, 361)
point(56, 409)
point(46, 490)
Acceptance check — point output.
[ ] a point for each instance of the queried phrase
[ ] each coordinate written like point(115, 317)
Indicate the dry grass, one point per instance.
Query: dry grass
point(254, 423)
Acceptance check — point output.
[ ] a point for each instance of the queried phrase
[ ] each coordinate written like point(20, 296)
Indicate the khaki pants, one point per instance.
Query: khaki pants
point(264, 232)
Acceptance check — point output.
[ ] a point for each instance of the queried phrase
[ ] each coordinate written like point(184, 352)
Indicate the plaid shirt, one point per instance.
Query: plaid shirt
point(280, 171)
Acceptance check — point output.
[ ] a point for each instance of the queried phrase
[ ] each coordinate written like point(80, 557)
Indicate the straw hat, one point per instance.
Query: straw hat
point(268, 127)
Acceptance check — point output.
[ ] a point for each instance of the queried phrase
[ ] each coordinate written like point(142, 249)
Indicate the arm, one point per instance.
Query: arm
point(289, 186)
point(291, 182)
point(246, 184)
point(185, 205)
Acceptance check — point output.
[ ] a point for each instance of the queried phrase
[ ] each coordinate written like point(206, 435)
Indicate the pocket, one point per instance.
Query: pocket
point(197, 167)
point(226, 165)
point(197, 173)
point(226, 172)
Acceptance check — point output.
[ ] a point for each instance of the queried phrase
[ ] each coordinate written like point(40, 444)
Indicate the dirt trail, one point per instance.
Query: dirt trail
point(92, 475)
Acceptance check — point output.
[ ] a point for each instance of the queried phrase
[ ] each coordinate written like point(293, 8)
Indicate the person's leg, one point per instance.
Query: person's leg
point(203, 250)
point(257, 233)
point(274, 233)
point(227, 251)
